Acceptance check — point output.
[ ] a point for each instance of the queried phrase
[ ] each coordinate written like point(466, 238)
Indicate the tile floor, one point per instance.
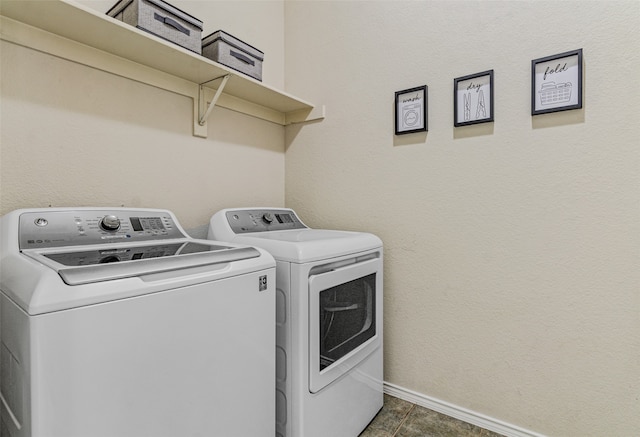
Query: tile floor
point(399, 418)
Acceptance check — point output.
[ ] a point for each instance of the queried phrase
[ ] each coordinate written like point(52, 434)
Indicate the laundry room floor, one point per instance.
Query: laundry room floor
point(399, 418)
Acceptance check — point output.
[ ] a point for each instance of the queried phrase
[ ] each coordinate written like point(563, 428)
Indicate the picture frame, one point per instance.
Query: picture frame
point(556, 83)
point(411, 110)
point(473, 99)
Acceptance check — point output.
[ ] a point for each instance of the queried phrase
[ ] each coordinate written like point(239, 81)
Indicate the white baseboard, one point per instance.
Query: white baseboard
point(457, 412)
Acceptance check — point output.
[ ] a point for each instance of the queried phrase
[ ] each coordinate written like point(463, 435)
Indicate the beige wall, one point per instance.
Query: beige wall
point(512, 284)
point(73, 135)
point(512, 248)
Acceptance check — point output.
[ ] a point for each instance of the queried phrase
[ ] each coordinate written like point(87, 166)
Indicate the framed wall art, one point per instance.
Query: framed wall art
point(556, 83)
point(473, 99)
point(411, 110)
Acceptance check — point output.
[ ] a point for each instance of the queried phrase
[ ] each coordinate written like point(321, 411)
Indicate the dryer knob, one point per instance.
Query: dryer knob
point(267, 217)
point(110, 223)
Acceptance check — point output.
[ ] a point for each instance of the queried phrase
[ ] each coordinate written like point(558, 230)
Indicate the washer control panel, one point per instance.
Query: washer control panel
point(81, 227)
point(243, 221)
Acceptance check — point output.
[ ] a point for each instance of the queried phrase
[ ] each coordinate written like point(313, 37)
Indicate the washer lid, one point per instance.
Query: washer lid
point(97, 264)
point(54, 259)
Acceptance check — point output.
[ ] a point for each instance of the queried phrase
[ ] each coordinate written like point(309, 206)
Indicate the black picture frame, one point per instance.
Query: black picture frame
point(556, 83)
point(411, 106)
point(473, 99)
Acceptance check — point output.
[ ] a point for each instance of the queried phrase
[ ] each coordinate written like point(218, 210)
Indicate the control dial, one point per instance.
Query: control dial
point(110, 223)
point(267, 217)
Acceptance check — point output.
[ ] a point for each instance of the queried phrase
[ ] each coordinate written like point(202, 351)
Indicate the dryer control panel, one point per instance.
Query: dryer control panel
point(243, 221)
point(82, 227)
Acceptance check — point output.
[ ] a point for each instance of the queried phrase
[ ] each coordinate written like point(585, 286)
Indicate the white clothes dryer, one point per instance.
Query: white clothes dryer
point(329, 319)
point(113, 322)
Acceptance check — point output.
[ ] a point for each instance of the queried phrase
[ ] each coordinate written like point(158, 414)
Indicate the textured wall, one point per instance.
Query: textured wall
point(512, 284)
point(512, 248)
point(76, 136)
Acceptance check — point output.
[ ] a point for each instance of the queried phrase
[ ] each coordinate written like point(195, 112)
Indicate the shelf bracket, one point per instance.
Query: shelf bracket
point(202, 102)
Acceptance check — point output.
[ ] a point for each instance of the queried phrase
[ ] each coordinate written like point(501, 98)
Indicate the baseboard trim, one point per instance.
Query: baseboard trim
point(457, 412)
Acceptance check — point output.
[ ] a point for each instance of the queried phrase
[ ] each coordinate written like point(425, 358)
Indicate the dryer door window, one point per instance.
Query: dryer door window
point(343, 320)
point(347, 318)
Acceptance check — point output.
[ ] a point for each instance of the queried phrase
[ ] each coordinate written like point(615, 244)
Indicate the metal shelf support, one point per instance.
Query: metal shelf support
point(202, 101)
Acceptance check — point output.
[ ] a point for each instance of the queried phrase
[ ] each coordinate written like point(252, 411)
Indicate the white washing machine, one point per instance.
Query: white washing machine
point(114, 323)
point(329, 378)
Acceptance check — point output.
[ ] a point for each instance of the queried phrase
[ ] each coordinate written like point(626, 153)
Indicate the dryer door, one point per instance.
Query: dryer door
point(345, 319)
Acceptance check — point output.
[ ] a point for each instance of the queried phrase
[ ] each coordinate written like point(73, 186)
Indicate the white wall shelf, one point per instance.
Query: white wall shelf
point(75, 32)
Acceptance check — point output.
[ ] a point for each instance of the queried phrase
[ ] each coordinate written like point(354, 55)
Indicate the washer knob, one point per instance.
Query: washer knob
point(110, 223)
point(267, 217)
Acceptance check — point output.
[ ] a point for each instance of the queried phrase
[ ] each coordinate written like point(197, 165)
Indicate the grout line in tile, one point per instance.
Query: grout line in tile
point(404, 419)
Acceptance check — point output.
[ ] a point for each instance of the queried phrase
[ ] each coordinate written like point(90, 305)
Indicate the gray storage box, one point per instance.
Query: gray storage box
point(230, 51)
point(161, 19)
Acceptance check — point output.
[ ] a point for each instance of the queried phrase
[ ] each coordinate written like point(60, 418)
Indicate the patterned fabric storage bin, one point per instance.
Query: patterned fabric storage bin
point(230, 51)
point(161, 19)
